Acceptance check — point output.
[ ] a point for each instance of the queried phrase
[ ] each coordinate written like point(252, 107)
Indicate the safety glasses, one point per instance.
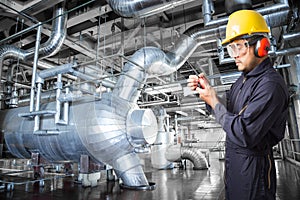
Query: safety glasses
point(235, 48)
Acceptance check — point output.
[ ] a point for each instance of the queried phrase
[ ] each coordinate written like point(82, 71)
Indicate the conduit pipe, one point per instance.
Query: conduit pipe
point(33, 82)
point(291, 36)
point(143, 8)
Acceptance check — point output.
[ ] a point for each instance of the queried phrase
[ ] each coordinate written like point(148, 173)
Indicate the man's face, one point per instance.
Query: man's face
point(243, 54)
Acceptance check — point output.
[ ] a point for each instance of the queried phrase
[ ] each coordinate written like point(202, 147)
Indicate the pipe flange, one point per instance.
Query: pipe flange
point(151, 186)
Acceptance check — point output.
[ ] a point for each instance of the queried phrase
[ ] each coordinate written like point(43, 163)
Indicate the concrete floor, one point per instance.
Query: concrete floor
point(172, 184)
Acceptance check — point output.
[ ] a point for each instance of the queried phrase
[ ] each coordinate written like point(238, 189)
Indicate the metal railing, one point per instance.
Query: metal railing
point(288, 150)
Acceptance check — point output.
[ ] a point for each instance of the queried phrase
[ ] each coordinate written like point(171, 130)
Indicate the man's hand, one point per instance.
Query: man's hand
point(193, 82)
point(202, 86)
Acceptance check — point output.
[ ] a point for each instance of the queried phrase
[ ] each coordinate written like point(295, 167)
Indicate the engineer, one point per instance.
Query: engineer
point(253, 112)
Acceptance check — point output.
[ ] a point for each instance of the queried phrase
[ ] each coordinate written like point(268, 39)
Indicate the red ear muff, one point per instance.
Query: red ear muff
point(262, 47)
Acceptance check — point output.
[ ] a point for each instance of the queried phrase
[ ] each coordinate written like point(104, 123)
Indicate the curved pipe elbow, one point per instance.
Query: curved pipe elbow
point(49, 48)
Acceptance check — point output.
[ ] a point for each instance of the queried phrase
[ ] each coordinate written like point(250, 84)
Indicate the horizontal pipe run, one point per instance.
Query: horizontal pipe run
point(62, 69)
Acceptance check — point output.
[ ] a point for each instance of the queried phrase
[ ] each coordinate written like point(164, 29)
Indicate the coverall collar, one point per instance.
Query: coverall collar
point(261, 68)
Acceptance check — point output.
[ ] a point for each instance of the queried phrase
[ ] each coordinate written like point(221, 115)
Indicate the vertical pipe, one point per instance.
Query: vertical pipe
point(211, 70)
point(66, 108)
point(207, 11)
point(35, 63)
point(37, 107)
point(58, 104)
point(295, 77)
point(176, 129)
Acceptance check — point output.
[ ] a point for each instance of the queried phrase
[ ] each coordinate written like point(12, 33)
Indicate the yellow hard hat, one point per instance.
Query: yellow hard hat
point(244, 22)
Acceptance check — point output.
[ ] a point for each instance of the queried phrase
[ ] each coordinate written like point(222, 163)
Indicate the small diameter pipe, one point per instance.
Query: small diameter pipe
point(35, 62)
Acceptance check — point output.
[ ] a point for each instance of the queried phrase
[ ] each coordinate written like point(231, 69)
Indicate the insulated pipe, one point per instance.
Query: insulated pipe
point(62, 69)
point(234, 5)
point(58, 35)
point(176, 153)
point(153, 61)
point(143, 8)
point(49, 48)
point(105, 82)
point(281, 5)
point(288, 51)
point(146, 61)
point(291, 36)
point(207, 10)
point(101, 129)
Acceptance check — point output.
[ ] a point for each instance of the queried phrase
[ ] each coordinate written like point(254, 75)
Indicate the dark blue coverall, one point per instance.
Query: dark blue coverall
point(254, 121)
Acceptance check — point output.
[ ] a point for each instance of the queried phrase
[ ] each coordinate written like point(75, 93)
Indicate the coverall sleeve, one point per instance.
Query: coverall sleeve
point(265, 106)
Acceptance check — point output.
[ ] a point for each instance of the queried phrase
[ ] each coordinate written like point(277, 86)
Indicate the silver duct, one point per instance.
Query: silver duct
point(106, 130)
point(176, 153)
point(146, 61)
point(49, 48)
point(58, 35)
point(281, 5)
point(234, 5)
point(143, 8)
point(153, 61)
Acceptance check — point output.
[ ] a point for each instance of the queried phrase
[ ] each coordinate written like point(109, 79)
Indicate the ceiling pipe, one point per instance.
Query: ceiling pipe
point(281, 5)
point(288, 51)
point(153, 61)
point(234, 5)
point(207, 10)
point(144, 8)
point(49, 48)
point(291, 36)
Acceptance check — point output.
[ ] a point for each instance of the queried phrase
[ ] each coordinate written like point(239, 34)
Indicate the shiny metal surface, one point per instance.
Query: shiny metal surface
point(48, 48)
point(143, 8)
point(163, 140)
point(103, 129)
point(178, 153)
point(96, 128)
point(175, 184)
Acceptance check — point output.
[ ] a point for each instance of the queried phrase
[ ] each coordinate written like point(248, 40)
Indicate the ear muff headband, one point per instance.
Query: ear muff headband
point(262, 47)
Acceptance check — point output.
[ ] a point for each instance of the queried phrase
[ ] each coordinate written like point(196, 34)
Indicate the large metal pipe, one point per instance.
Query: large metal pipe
point(234, 5)
point(100, 129)
point(281, 5)
point(151, 60)
point(143, 8)
point(291, 36)
point(46, 49)
point(177, 153)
